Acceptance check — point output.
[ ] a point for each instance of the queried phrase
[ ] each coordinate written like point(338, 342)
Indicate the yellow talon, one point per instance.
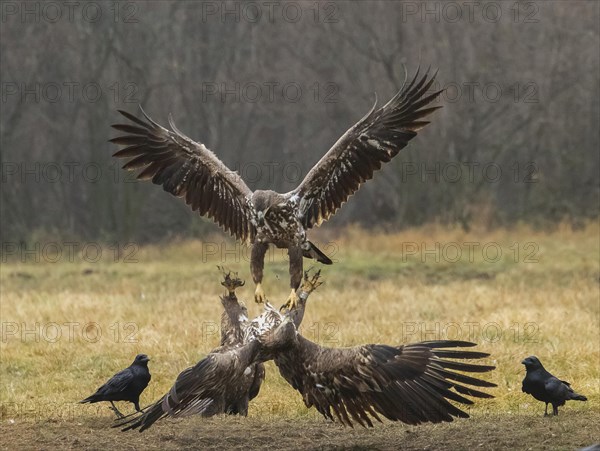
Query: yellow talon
point(311, 283)
point(292, 301)
point(259, 294)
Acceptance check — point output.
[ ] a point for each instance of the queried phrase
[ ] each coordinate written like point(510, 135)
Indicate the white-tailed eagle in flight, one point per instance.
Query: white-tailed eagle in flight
point(188, 169)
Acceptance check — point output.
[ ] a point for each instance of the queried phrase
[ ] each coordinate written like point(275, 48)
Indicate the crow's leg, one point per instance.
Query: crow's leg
point(257, 264)
point(116, 411)
point(137, 406)
point(546, 411)
point(554, 409)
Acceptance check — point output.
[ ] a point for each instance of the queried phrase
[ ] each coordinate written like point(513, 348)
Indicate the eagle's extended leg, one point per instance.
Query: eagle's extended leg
point(257, 264)
point(311, 283)
point(296, 262)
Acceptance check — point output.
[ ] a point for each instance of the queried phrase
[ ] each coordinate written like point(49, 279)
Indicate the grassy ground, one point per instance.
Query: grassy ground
point(68, 326)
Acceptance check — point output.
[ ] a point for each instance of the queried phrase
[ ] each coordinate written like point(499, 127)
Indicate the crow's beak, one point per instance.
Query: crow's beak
point(523, 362)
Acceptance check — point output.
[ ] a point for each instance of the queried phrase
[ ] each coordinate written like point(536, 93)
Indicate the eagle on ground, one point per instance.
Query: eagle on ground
point(412, 383)
point(234, 334)
point(229, 376)
point(188, 169)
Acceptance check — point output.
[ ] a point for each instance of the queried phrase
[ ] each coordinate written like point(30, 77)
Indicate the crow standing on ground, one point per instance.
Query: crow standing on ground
point(544, 387)
point(126, 385)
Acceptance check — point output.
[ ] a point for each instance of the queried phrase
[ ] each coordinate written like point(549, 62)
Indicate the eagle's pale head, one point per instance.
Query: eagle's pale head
point(272, 330)
point(262, 200)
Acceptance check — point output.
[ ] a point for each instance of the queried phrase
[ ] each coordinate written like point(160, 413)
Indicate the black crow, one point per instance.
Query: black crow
point(544, 387)
point(126, 385)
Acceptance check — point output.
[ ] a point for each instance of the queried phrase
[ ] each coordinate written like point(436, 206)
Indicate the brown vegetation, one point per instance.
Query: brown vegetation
point(167, 306)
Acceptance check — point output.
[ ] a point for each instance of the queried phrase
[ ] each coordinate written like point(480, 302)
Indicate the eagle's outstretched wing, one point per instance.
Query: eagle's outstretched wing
point(374, 140)
point(198, 387)
point(186, 169)
point(411, 383)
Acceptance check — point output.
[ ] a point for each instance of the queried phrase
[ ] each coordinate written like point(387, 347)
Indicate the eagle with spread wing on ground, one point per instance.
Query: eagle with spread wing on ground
point(188, 169)
point(413, 383)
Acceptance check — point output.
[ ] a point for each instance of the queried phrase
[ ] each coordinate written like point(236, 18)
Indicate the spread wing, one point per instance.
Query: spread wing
point(197, 388)
point(412, 383)
point(186, 169)
point(353, 159)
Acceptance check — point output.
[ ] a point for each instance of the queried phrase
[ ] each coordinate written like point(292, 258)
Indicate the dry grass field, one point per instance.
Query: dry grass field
point(69, 325)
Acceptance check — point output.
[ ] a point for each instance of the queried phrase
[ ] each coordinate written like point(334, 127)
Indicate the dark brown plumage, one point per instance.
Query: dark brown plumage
point(412, 383)
point(230, 375)
point(217, 379)
point(189, 170)
point(200, 388)
point(233, 327)
point(372, 141)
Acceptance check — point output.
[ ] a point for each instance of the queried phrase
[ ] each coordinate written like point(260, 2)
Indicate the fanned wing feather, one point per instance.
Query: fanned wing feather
point(374, 140)
point(186, 169)
point(410, 383)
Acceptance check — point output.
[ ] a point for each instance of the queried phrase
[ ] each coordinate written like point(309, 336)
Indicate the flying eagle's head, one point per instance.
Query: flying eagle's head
point(261, 203)
point(261, 200)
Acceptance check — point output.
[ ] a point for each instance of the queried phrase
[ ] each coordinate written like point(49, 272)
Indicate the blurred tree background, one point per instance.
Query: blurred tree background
point(270, 86)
